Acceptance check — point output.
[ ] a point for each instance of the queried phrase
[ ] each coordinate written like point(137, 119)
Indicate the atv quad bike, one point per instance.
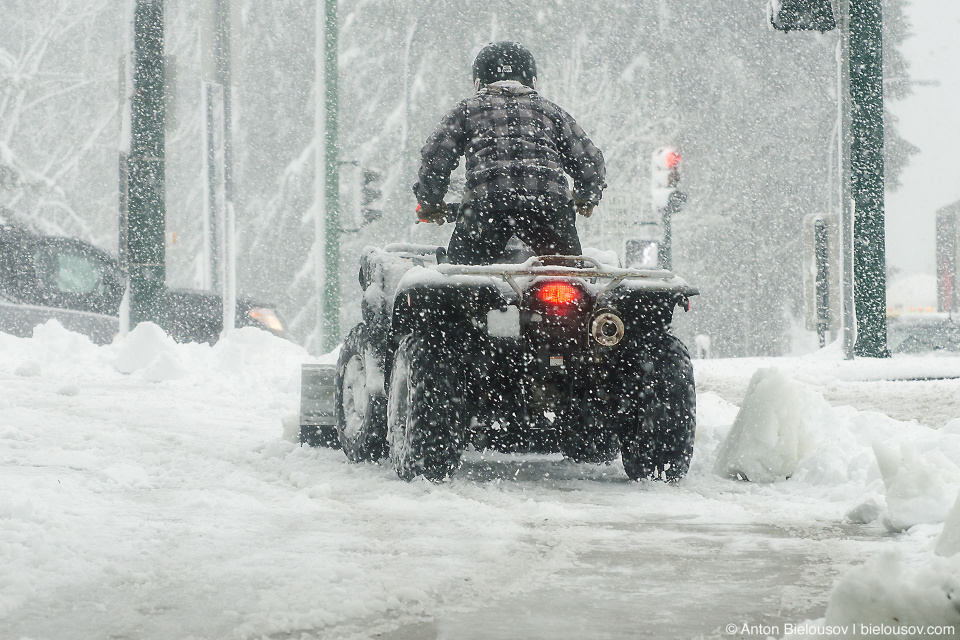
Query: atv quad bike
point(556, 354)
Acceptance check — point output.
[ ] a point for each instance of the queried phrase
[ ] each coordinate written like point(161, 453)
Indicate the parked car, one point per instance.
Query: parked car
point(79, 285)
point(923, 333)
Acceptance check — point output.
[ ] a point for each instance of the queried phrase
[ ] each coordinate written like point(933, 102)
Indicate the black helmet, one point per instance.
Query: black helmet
point(505, 61)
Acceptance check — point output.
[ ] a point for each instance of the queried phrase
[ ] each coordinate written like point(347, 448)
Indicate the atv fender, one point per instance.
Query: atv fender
point(428, 300)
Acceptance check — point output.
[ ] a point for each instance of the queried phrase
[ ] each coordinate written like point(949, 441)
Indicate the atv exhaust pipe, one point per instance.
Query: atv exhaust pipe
point(607, 329)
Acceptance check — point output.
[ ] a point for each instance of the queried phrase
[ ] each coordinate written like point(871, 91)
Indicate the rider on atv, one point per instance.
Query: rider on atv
point(518, 146)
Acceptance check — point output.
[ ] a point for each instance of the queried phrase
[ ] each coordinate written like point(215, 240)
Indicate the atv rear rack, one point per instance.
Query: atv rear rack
point(569, 266)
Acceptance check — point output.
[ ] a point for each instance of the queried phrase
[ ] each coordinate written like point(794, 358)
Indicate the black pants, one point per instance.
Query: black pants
point(482, 233)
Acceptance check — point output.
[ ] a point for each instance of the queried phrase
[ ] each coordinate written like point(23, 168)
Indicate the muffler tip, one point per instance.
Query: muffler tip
point(607, 329)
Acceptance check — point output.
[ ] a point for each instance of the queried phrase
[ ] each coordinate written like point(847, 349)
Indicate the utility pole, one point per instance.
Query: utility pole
point(327, 180)
point(219, 223)
point(142, 205)
point(860, 60)
point(211, 95)
point(848, 304)
point(866, 176)
point(224, 77)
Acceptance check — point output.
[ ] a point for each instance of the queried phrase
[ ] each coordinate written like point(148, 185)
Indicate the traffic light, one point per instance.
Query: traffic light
point(370, 196)
point(802, 15)
point(665, 194)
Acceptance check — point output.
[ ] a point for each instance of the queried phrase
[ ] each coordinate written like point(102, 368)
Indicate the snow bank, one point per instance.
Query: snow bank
point(920, 486)
point(778, 425)
point(902, 474)
point(867, 383)
point(88, 433)
point(891, 598)
point(785, 429)
point(148, 349)
point(948, 542)
point(888, 591)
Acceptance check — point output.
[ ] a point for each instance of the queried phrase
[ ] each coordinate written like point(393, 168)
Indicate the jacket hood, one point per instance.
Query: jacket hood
point(506, 87)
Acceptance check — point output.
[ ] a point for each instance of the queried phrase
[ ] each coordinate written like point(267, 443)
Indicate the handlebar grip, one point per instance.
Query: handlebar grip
point(453, 212)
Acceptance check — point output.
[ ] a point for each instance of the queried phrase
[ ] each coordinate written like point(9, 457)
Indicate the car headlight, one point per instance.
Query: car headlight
point(267, 317)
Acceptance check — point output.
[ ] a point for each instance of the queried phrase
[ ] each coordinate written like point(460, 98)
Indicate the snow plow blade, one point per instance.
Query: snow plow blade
point(318, 416)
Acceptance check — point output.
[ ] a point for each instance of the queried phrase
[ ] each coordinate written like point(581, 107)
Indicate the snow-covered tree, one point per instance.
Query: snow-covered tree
point(58, 116)
point(752, 111)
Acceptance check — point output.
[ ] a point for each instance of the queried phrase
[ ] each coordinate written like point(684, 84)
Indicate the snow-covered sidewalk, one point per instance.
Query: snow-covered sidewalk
point(155, 490)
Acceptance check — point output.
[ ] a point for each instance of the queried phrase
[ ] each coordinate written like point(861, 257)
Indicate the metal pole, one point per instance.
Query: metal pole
point(822, 279)
point(666, 260)
point(327, 182)
point(211, 211)
point(224, 78)
point(846, 197)
point(145, 238)
point(866, 175)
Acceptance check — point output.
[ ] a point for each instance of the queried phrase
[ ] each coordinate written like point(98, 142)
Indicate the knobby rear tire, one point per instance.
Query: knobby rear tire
point(425, 423)
point(657, 435)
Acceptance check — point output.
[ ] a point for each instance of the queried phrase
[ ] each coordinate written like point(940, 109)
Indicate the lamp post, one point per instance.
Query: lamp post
point(142, 204)
point(218, 202)
point(327, 180)
point(860, 58)
point(863, 22)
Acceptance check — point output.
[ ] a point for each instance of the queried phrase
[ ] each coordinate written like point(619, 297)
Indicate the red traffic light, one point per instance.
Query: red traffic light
point(665, 159)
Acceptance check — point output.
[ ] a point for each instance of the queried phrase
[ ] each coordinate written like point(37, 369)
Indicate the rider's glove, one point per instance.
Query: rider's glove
point(427, 212)
point(585, 209)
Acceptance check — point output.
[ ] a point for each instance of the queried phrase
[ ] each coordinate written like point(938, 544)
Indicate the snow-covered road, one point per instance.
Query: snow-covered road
point(150, 490)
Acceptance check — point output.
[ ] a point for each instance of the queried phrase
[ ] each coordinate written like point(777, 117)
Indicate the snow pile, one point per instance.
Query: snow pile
point(889, 598)
point(151, 351)
point(95, 434)
point(904, 472)
point(920, 486)
point(948, 542)
point(869, 384)
point(778, 425)
point(714, 419)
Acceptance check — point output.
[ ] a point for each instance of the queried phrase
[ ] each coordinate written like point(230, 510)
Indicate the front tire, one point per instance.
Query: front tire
point(656, 438)
point(361, 404)
point(425, 425)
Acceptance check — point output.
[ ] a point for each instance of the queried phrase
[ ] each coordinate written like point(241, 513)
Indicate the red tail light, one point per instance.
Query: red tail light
point(559, 293)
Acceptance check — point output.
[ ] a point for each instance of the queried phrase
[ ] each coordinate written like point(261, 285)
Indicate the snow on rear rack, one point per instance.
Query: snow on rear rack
point(577, 267)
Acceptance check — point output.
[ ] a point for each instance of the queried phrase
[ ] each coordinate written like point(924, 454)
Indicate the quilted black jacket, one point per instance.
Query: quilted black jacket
point(518, 146)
